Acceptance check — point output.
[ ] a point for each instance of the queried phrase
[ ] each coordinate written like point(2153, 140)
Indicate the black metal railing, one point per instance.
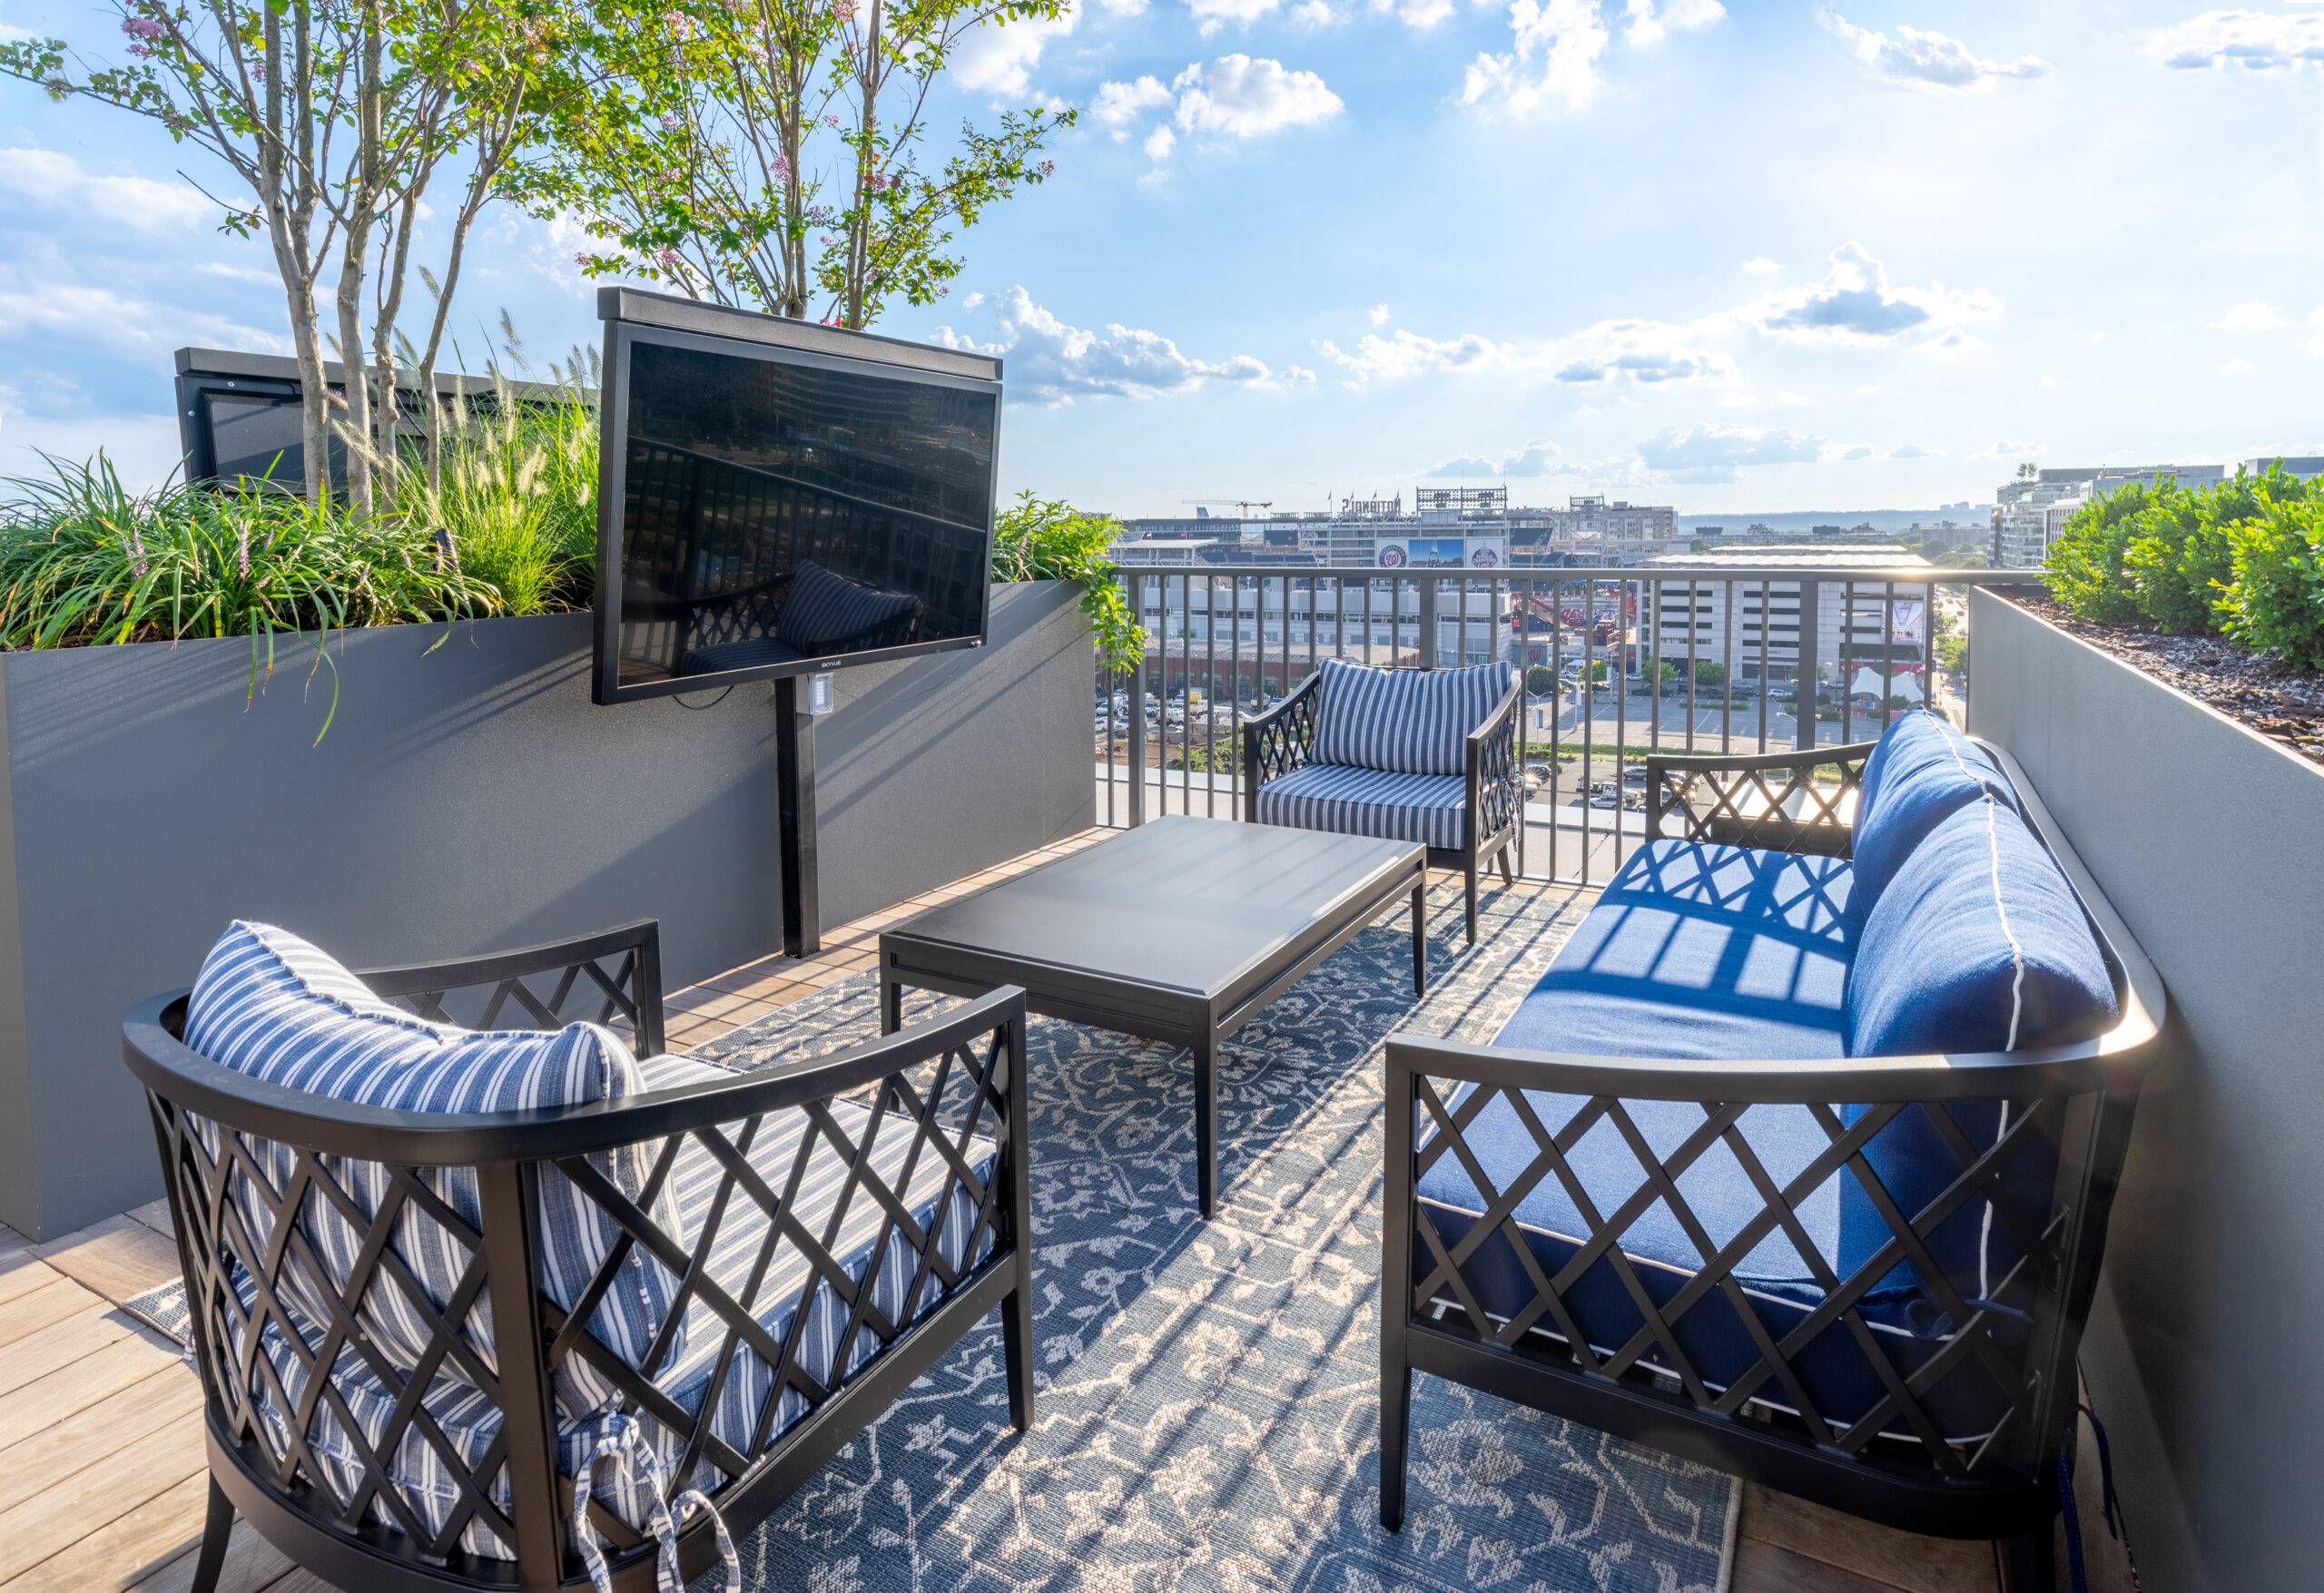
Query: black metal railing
point(1638, 662)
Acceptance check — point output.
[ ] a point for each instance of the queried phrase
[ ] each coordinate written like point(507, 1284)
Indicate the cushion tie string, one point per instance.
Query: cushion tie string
point(621, 1441)
point(2076, 1571)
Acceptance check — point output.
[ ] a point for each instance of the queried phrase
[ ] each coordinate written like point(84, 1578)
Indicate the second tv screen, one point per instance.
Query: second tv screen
point(779, 509)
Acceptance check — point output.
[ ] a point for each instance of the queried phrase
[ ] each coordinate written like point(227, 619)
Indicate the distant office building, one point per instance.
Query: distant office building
point(1854, 632)
point(2307, 466)
point(2030, 512)
point(1592, 531)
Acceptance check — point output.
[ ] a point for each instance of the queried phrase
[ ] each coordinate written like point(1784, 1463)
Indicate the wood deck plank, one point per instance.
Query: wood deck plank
point(159, 1530)
point(125, 1503)
point(156, 1215)
point(21, 1273)
point(72, 1388)
point(252, 1565)
point(72, 1443)
point(119, 1258)
point(1762, 1568)
point(1904, 1560)
point(36, 1355)
point(39, 1308)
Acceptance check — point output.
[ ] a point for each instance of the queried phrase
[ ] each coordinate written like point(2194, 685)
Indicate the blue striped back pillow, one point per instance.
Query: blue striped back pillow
point(269, 1005)
point(1404, 721)
point(825, 607)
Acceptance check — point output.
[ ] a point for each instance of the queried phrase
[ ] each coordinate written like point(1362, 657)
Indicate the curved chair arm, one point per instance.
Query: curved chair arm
point(1671, 779)
point(633, 990)
point(1495, 773)
point(1277, 741)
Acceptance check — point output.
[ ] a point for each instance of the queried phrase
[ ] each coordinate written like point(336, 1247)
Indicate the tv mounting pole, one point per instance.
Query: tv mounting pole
point(794, 766)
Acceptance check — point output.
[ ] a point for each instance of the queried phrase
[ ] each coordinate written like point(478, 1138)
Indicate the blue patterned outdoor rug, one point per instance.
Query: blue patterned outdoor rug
point(1208, 1415)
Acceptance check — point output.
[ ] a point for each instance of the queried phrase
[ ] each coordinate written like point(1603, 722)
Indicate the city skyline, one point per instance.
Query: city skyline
point(1750, 259)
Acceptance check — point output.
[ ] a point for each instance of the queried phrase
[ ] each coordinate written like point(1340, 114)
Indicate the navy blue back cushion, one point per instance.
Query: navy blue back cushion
point(1922, 771)
point(825, 607)
point(1407, 721)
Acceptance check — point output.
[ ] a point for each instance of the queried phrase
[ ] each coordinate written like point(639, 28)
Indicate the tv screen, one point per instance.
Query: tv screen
point(788, 499)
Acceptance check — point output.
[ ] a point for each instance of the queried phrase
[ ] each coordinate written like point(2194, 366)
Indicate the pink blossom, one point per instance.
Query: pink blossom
point(258, 70)
point(843, 10)
point(781, 168)
point(670, 260)
point(582, 261)
point(830, 122)
point(143, 28)
point(669, 120)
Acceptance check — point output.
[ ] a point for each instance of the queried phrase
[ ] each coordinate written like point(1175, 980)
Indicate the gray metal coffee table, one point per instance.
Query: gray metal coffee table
point(1181, 930)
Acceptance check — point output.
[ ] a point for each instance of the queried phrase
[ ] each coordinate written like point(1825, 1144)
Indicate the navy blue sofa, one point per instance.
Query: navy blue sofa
point(1796, 1159)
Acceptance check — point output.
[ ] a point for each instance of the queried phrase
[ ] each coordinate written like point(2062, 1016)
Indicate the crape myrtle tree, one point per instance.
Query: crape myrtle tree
point(776, 154)
point(335, 116)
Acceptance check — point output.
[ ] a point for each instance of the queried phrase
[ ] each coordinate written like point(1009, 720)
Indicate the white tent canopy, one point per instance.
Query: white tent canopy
point(1868, 685)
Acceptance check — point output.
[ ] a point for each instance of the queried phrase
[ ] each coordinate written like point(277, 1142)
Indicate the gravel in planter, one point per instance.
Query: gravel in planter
point(2257, 689)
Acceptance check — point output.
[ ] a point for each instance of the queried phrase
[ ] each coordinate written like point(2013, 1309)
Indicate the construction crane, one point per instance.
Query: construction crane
point(1243, 506)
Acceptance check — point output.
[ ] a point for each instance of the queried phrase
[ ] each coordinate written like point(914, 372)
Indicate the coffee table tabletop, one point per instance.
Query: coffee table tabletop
point(1180, 930)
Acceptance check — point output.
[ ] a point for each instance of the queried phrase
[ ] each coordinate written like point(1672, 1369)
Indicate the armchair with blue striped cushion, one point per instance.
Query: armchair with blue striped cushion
point(1424, 755)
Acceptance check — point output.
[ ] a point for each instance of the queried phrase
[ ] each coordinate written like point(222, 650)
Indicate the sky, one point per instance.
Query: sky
point(1760, 255)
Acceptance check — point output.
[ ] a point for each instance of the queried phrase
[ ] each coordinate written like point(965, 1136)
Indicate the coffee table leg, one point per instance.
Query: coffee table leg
point(1206, 1122)
point(892, 1004)
point(1420, 938)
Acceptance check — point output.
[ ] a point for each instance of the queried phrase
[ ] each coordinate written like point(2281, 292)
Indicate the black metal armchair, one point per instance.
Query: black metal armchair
point(289, 1353)
point(1940, 1408)
point(1489, 795)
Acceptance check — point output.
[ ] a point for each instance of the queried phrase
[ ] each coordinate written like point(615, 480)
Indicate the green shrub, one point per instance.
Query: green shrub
point(2276, 602)
point(1539, 682)
point(2086, 566)
point(1709, 673)
point(2182, 557)
point(1037, 539)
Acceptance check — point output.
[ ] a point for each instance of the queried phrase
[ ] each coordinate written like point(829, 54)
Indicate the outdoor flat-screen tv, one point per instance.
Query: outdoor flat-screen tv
point(778, 496)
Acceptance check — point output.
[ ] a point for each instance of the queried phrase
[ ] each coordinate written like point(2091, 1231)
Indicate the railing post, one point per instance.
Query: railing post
point(1427, 622)
point(1136, 585)
point(1811, 627)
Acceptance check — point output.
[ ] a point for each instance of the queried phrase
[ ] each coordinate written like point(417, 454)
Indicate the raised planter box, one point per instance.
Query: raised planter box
point(2202, 1351)
point(465, 799)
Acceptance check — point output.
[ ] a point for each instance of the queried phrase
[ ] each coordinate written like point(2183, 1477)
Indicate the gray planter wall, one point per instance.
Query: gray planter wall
point(465, 799)
point(2205, 1356)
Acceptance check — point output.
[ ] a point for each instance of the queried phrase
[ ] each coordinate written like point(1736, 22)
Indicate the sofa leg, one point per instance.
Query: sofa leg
point(1017, 1352)
point(215, 1534)
point(2030, 1562)
point(1507, 877)
point(1472, 899)
point(1395, 1437)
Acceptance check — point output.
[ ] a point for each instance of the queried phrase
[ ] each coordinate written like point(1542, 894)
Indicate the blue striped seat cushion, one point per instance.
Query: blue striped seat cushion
point(824, 608)
point(271, 1006)
point(1430, 809)
point(1410, 721)
point(471, 1422)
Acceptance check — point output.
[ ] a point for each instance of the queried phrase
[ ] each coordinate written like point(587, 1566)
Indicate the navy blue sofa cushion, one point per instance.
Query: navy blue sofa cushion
point(1719, 953)
point(1922, 771)
point(1978, 944)
point(1407, 721)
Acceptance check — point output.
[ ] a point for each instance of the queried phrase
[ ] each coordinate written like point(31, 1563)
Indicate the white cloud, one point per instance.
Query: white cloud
point(2250, 318)
point(1644, 350)
point(2235, 367)
point(1415, 13)
point(2009, 451)
point(1124, 7)
point(1929, 61)
point(2258, 40)
point(1649, 27)
point(1241, 98)
point(1867, 389)
point(999, 60)
point(1159, 144)
point(1861, 451)
point(1314, 13)
point(1379, 314)
point(1915, 451)
point(1213, 15)
point(1711, 454)
point(1558, 43)
point(122, 321)
point(2049, 380)
point(1855, 305)
point(1403, 354)
point(1538, 458)
point(1119, 104)
point(1051, 362)
point(1761, 267)
point(55, 180)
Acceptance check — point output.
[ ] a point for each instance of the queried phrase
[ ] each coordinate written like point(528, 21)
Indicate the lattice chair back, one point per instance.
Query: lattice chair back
point(416, 1328)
